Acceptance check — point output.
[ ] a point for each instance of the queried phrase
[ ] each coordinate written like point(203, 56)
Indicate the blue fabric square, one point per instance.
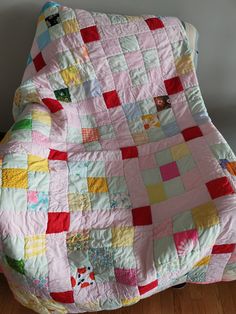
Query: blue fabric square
point(92, 88)
point(132, 111)
point(171, 129)
point(43, 40)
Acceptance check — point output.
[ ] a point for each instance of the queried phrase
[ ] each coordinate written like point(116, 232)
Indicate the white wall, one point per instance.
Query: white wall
point(214, 19)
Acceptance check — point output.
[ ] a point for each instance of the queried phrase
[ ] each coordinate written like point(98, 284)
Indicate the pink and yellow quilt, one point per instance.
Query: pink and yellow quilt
point(115, 184)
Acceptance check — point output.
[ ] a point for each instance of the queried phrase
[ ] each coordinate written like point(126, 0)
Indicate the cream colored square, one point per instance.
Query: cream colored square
point(184, 64)
point(122, 236)
point(179, 151)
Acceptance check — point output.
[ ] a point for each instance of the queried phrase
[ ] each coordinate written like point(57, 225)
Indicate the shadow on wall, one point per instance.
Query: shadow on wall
point(17, 28)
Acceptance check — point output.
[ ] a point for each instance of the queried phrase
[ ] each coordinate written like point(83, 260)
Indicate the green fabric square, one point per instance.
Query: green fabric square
point(136, 126)
point(22, 124)
point(15, 160)
point(14, 199)
point(151, 176)
point(180, 48)
point(183, 222)
point(100, 238)
point(124, 258)
point(96, 169)
point(163, 157)
point(147, 106)
point(197, 274)
point(164, 251)
point(13, 246)
point(56, 81)
point(166, 116)
point(38, 181)
point(117, 63)
point(208, 235)
point(116, 184)
point(77, 184)
point(117, 18)
point(223, 151)
point(100, 201)
point(74, 135)
point(17, 265)
point(63, 94)
point(150, 58)
point(174, 187)
point(155, 134)
point(78, 168)
point(185, 164)
point(120, 200)
point(129, 43)
point(106, 132)
point(56, 31)
point(138, 76)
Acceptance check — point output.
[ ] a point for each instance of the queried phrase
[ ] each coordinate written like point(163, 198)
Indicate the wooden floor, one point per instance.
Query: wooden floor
point(193, 299)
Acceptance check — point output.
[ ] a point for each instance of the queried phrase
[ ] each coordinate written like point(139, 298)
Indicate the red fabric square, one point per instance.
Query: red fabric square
point(111, 99)
point(191, 133)
point(173, 85)
point(58, 222)
point(223, 248)
point(39, 62)
point(142, 216)
point(57, 155)
point(129, 152)
point(148, 287)
point(63, 297)
point(219, 187)
point(52, 104)
point(154, 23)
point(90, 34)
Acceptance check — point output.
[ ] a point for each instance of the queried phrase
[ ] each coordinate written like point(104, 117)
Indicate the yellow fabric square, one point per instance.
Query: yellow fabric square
point(35, 245)
point(97, 185)
point(203, 262)
point(179, 151)
point(156, 193)
point(122, 236)
point(14, 178)
point(205, 215)
point(71, 26)
point(78, 202)
point(36, 163)
point(41, 116)
point(184, 64)
point(126, 302)
point(71, 76)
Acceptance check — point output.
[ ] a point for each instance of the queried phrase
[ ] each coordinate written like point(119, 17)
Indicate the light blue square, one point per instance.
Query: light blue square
point(174, 187)
point(78, 168)
point(14, 199)
point(120, 200)
point(166, 116)
point(117, 184)
point(74, 135)
point(100, 201)
point(117, 63)
point(106, 132)
point(186, 164)
point(92, 88)
point(155, 134)
point(88, 121)
point(150, 58)
point(151, 176)
point(183, 221)
point(136, 126)
point(100, 238)
point(96, 169)
point(138, 76)
point(15, 160)
point(163, 157)
point(164, 251)
point(171, 129)
point(92, 146)
point(129, 43)
point(56, 31)
point(78, 93)
point(77, 184)
point(13, 246)
point(65, 59)
point(43, 40)
point(147, 106)
point(132, 111)
point(86, 71)
point(36, 266)
point(201, 117)
point(124, 257)
point(38, 181)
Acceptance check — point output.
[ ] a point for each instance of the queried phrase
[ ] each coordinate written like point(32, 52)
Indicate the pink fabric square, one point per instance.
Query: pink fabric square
point(189, 80)
point(114, 168)
point(164, 229)
point(102, 118)
point(191, 179)
point(39, 138)
point(111, 47)
point(147, 162)
point(146, 40)
point(186, 241)
point(134, 59)
point(121, 80)
point(169, 171)
point(126, 276)
point(183, 115)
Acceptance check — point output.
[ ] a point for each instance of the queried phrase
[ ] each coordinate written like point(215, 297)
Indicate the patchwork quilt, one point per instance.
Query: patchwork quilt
point(115, 184)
